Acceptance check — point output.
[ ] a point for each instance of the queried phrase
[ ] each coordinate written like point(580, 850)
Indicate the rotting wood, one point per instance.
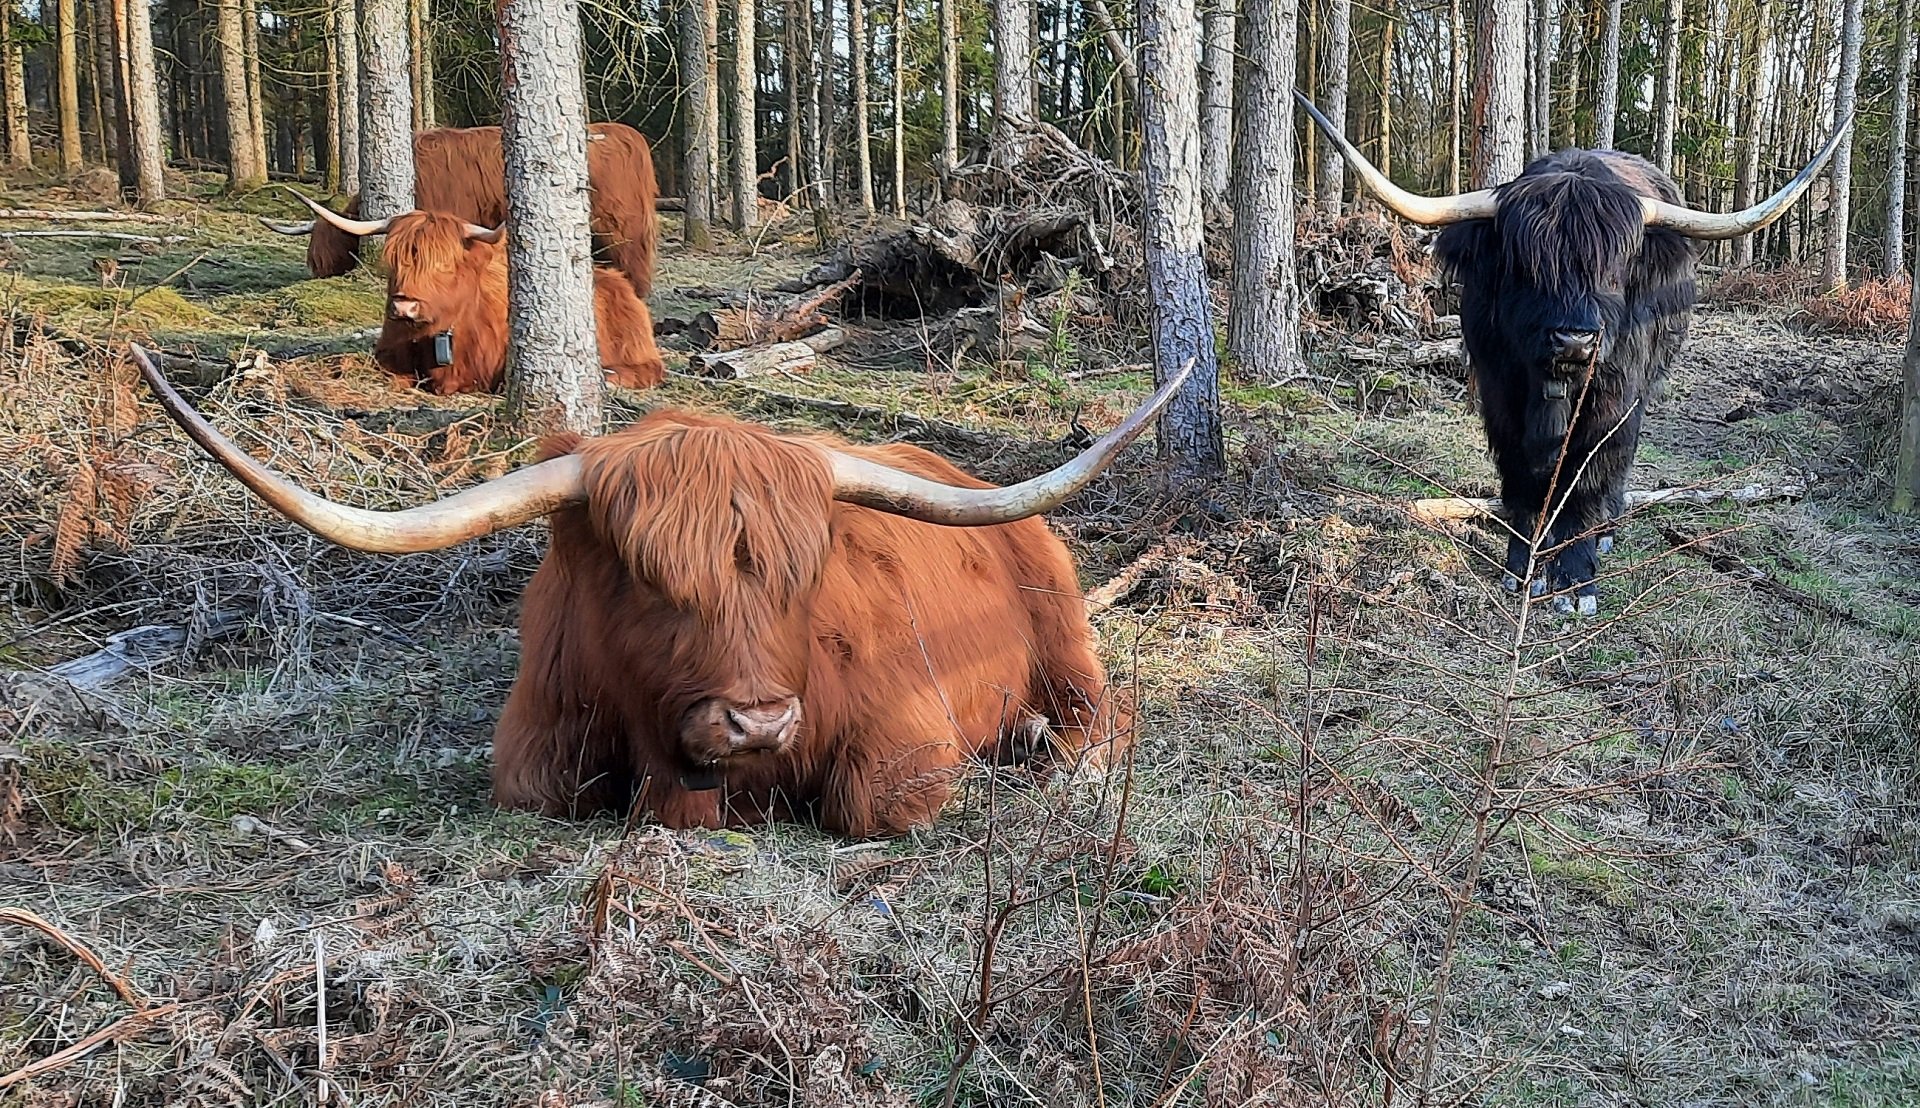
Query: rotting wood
point(730, 328)
point(1463, 508)
point(54, 215)
point(1434, 354)
point(138, 648)
point(796, 356)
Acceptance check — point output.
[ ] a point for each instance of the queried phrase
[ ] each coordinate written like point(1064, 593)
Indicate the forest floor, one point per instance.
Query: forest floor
point(1699, 883)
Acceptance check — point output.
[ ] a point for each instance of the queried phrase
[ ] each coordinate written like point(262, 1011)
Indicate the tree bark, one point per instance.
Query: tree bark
point(554, 379)
point(827, 125)
point(1893, 262)
point(1336, 35)
point(746, 140)
point(1756, 92)
point(1500, 65)
point(67, 86)
point(899, 109)
point(256, 92)
point(1542, 73)
point(330, 47)
point(111, 90)
point(1263, 317)
point(1906, 483)
point(19, 147)
point(1387, 25)
point(1833, 268)
point(1190, 430)
point(1012, 77)
point(386, 110)
point(862, 123)
point(1216, 104)
point(1666, 89)
point(814, 74)
point(347, 47)
point(949, 84)
point(143, 106)
point(1456, 94)
point(699, 55)
point(790, 89)
point(244, 170)
point(419, 29)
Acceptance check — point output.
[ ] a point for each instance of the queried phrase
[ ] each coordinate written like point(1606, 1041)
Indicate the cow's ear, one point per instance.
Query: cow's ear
point(1466, 250)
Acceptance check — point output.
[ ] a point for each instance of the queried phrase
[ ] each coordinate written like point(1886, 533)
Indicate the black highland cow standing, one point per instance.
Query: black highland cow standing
point(1576, 288)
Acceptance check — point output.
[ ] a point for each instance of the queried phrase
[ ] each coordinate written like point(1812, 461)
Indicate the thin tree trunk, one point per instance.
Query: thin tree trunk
point(862, 124)
point(1756, 92)
point(1666, 99)
point(1012, 77)
point(827, 125)
point(1190, 430)
point(790, 90)
point(1906, 482)
point(554, 379)
point(329, 47)
point(699, 54)
point(143, 107)
point(419, 28)
point(1116, 46)
point(746, 141)
point(67, 78)
point(1499, 97)
point(347, 47)
point(1331, 97)
point(899, 109)
point(107, 52)
point(1263, 318)
point(256, 92)
point(1893, 264)
point(1542, 71)
point(1387, 24)
point(1833, 269)
point(1216, 104)
point(949, 85)
point(99, 74)
point(19, 148)
point(814, 75)
point(386, 109)
point(244, 171)
point(1456, 94)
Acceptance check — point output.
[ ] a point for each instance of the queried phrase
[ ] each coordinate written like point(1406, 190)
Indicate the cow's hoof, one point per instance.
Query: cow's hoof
point(1537, 587)
point(1589, 605)
point(1510, 583)
point(1603, 545)
point(1563, 605)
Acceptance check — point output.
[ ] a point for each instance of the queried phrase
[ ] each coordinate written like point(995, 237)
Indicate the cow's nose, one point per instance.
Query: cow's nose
point(764, 726)
point(1574, 346)
point(404, 309)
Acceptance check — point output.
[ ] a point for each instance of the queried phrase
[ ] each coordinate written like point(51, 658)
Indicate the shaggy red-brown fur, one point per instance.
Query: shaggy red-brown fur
point(460, 284)
point(711, 564)
point(460, 171)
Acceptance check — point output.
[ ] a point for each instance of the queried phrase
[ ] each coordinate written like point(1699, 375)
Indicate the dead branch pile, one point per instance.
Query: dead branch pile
point(1365, 275)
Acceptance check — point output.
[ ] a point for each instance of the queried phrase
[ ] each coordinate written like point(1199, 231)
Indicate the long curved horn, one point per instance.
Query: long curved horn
point(287, 228)
point(1433, 211)
point(883, 488)
point(523, 495)
point(1713, 225)
point(361, 227)
point(485, 234)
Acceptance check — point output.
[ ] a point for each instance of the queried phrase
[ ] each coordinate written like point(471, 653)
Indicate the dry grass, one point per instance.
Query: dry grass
point(1876, 308)
point(1680, 871)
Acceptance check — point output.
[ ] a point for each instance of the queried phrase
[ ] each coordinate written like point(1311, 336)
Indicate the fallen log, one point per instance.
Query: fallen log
point(730, 328)
point(1434, 354)
point(1462, 508)
point(117, 236)
point(669, 203)
point(54, 215)
point(778, 357)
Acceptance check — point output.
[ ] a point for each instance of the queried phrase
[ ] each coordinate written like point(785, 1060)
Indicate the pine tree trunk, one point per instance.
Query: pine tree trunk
point(554, 379)
point(67, 76)
point(386, 109)
point(1906, 480)
point(347, 58)
point(19, 147)
point(1216, 104)
point(99, 74)
point(256, 92)
point(1542, 73)
point(1190, 430)
point(1012, 77)
point(1756, 92)
point(419, 20)
point(746, 140)
point(327, 146)
point(1499, 97)
point(814, 75)
point(699, 34)
point(1666, 98)
point(107, 52)
point(1387, 24)
point(143, 104)
point(862, 124)
point(949, 84)
point(1263, 318)
point(244, 171)
point(790, 89)
point(899, 109)
point(1894, 261)
point(826, 126)
point(1335, 44)
point(1833, 268)
point(1456, 94)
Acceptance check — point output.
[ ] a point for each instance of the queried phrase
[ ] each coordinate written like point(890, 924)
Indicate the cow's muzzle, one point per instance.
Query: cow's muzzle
point(716, 729)
point(1576, 347)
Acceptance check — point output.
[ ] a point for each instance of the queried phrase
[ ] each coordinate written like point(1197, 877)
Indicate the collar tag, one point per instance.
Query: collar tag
point(443, 349)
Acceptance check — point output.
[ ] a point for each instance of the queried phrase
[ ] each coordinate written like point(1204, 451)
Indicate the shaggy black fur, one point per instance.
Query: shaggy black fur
point(1566, 252)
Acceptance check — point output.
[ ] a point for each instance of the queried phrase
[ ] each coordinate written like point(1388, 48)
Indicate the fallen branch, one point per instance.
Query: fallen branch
point(20, 917)
point(1124, 582)
point(733, 327)
point(1417, 355)
point(117, 236)
point(1733, 565)
point(137, 648)
point(55, 214)
point(779, 357)
point(1448, 508)
point(899, 421)
point(123, 1028)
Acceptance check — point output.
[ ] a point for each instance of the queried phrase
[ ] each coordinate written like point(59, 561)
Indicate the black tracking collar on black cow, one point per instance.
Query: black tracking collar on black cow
point(443, 349)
